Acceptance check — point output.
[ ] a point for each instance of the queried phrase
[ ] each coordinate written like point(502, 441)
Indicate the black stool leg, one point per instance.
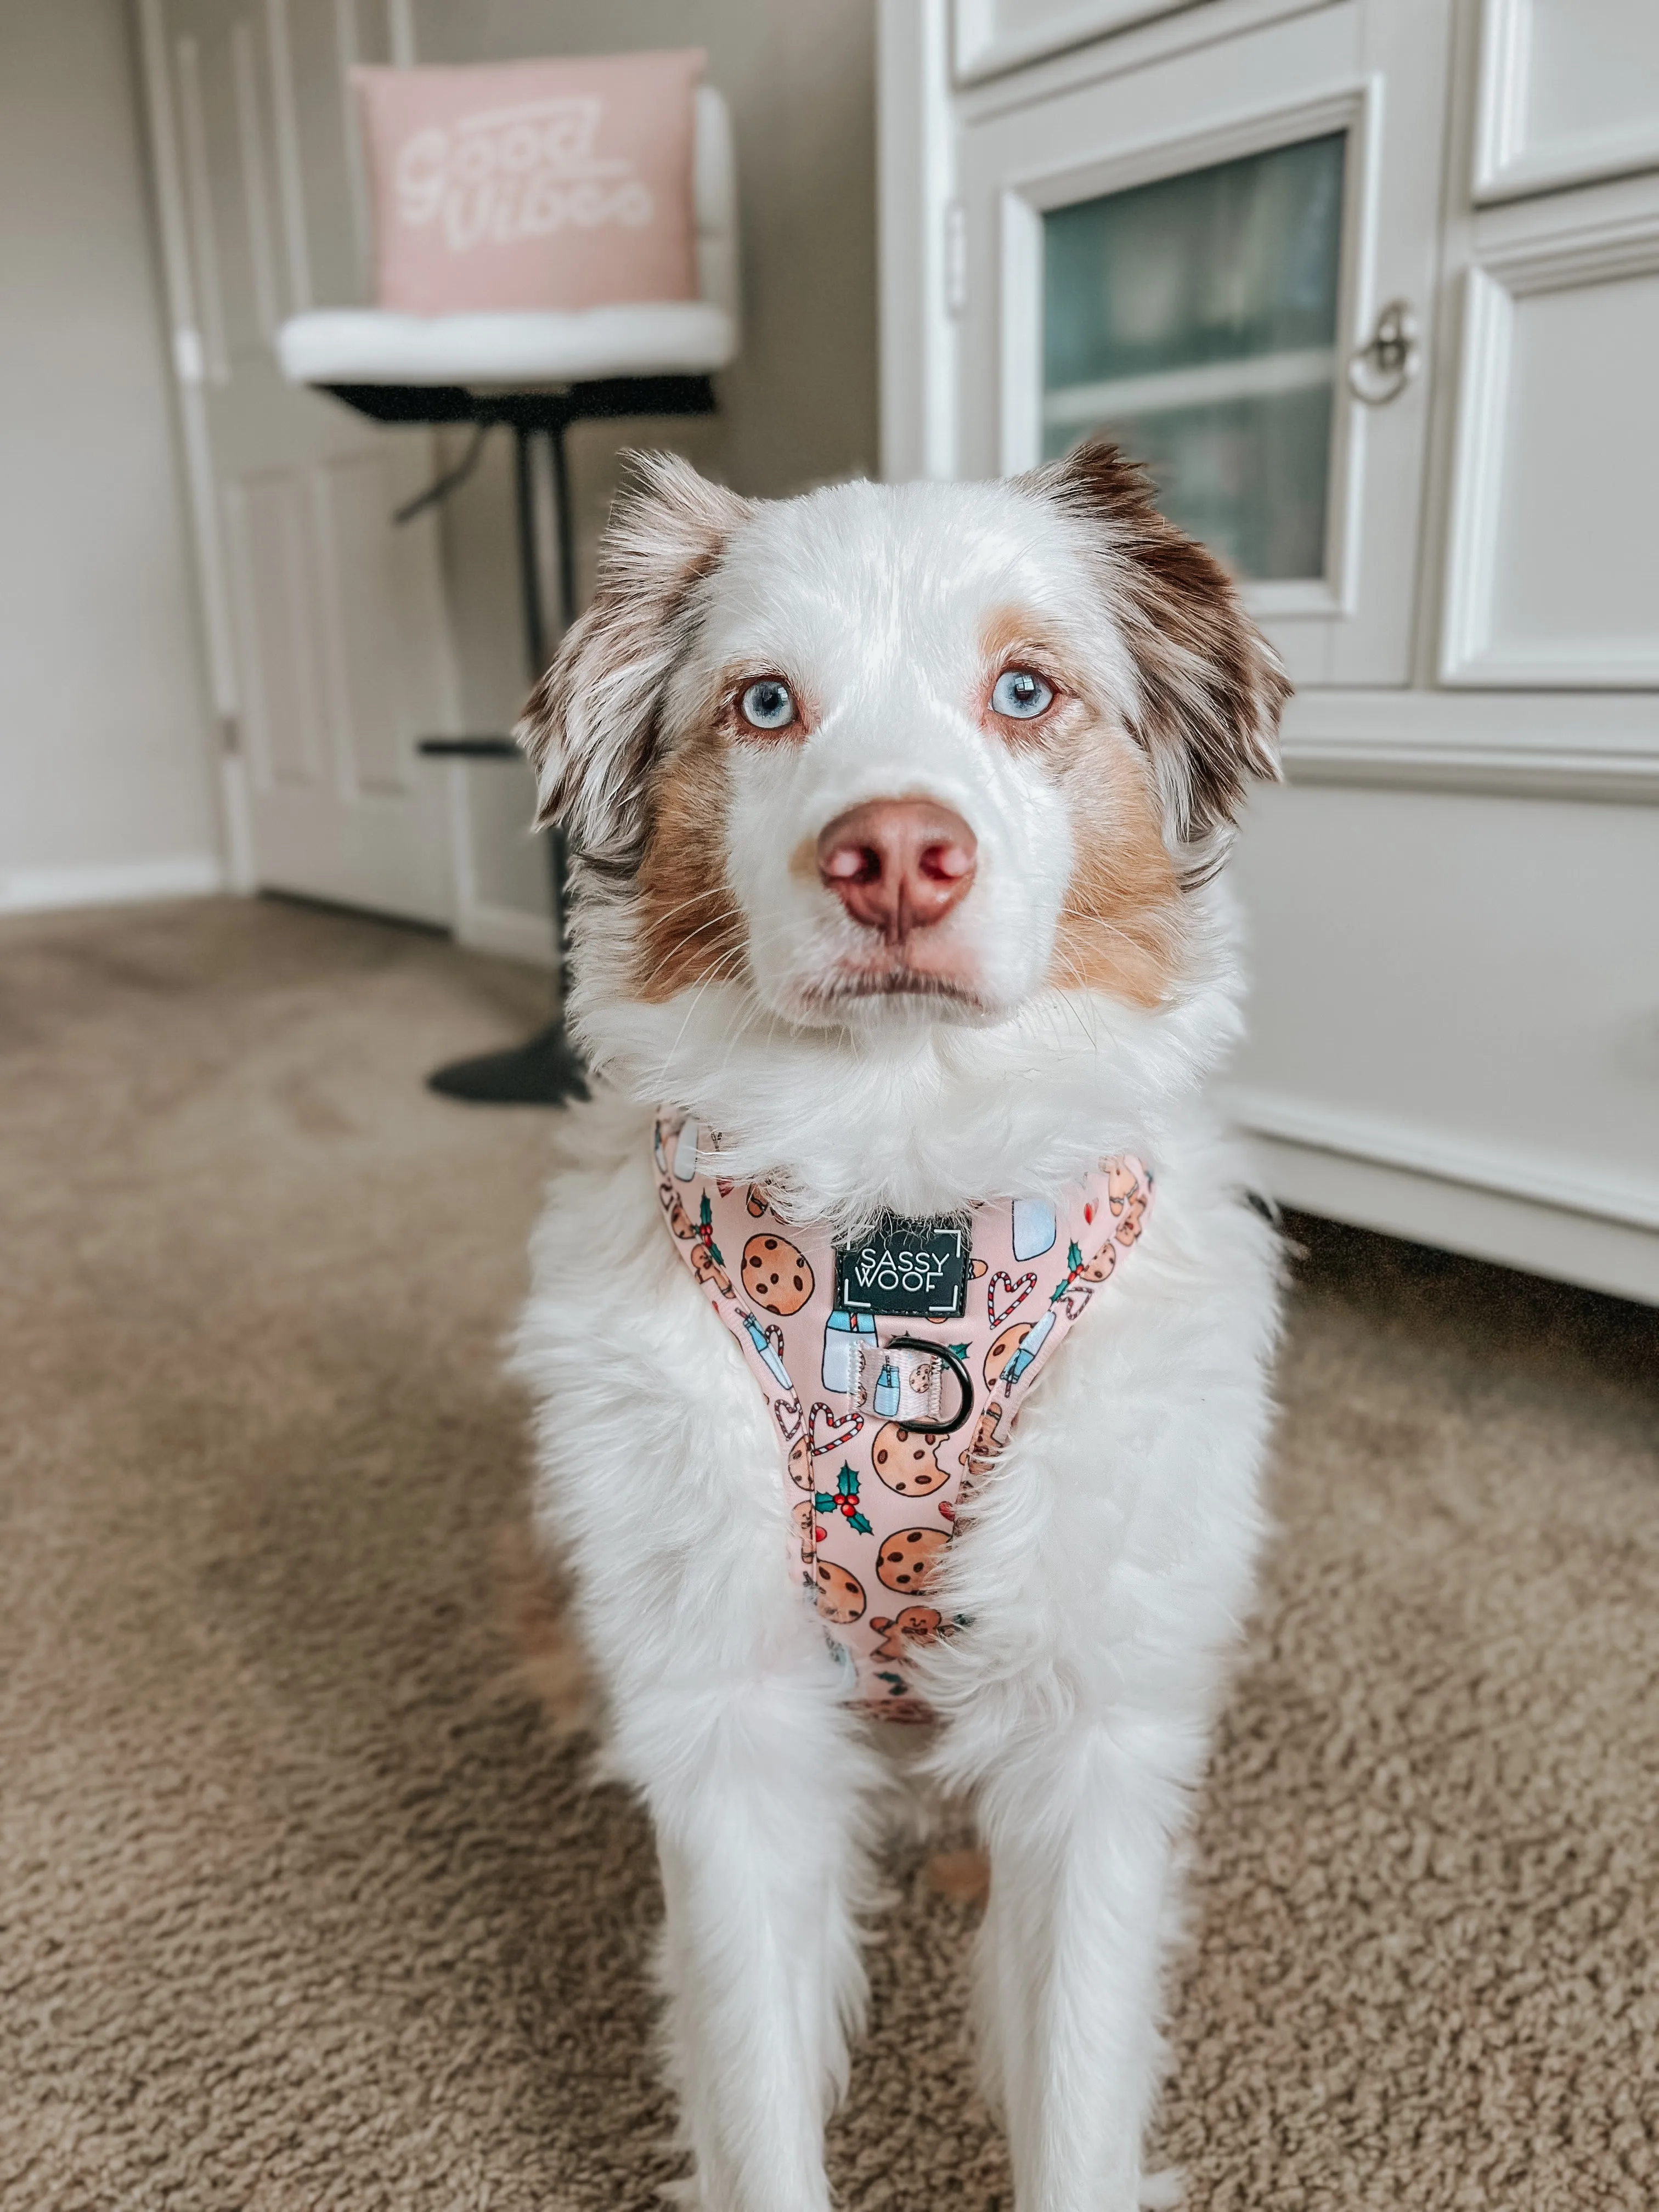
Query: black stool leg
point(544, 1070)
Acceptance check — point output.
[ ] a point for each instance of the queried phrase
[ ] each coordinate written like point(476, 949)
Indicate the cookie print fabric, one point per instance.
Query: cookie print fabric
point(888, 1401)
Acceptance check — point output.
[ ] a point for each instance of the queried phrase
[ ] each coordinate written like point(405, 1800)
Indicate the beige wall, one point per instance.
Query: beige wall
point(799, 406)
point(105, 775)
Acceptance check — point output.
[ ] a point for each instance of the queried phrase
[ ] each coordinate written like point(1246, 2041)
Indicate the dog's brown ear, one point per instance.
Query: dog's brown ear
point(591, 726)
point(1209, 687)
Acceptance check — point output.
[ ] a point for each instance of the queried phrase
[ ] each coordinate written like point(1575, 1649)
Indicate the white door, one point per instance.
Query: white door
point(1193, 254)
point(326, 620)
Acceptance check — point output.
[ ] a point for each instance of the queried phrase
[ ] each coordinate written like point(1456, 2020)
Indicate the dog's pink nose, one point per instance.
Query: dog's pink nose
point(897, 864)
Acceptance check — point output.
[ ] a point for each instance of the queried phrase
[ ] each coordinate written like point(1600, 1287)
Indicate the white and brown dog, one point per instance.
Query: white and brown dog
point(896, 816)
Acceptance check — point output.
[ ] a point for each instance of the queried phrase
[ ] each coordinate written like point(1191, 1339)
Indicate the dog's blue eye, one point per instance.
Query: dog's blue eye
point(1022, 693)
point(767, 705)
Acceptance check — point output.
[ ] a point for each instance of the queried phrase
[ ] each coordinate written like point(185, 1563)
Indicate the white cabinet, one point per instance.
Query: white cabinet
point(1373, 286)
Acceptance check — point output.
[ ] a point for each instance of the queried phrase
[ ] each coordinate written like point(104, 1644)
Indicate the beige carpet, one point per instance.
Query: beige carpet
point(301, 1904)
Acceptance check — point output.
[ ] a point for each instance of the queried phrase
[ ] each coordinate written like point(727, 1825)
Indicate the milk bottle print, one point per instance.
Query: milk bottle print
point(1029, 1349)
point(887, 1390)
point(1035, 1228)
point(846, 1336)
point(766, 1349)
point(685, 1151)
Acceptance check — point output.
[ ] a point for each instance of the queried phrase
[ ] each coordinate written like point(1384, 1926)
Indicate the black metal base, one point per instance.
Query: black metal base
point(544, 1071)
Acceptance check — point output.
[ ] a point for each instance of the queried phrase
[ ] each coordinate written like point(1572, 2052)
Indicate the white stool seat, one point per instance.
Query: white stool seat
point(523, 350)
point(371, 345)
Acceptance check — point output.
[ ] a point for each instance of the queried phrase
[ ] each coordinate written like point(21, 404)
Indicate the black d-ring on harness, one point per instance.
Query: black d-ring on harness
point(966, 1382)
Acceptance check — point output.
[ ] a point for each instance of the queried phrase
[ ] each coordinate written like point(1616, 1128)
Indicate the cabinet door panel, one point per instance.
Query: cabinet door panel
point(1552, 574)
point(1569, 92)
point(1188, 258)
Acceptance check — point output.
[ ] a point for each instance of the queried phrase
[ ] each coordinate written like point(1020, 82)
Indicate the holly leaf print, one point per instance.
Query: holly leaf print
point(857, 1523)
point(706, 1231)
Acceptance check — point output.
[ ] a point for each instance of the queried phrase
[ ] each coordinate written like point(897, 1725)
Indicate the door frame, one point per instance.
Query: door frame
point(189, 375)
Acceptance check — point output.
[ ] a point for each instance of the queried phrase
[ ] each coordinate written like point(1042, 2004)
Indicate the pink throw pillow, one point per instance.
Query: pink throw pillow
point(544, 184)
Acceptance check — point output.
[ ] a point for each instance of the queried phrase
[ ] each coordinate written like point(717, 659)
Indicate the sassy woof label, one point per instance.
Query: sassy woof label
point(916, 1270)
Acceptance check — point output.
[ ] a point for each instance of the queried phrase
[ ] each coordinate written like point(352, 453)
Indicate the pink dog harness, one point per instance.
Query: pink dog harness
point(874, 1358)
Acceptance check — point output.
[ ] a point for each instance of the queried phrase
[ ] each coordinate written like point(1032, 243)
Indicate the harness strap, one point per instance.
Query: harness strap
point(894, 1370)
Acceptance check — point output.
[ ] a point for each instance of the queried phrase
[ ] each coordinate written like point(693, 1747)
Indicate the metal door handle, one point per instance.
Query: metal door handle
point(1380, 371)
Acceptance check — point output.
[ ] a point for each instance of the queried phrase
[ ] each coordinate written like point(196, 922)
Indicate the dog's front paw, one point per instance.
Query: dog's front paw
point(1161, 2192)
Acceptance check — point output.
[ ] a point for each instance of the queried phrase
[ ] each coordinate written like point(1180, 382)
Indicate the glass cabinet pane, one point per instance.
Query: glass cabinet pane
point(1194, 321)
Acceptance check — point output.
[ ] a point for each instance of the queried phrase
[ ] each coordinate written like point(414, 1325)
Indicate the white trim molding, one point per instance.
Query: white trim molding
point(1509, 163)
point(1591, 252)
point(1578, 1224)
point(1539, 1177)
point(1122, 34)
point(1507, 771)
point(113, 883)
point(983, 47)
point(921, 283)
point(1602, 1255)
point(1600, 746)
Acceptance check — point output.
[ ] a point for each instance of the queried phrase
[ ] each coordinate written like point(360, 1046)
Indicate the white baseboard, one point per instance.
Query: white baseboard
point(1587, 1227)
point(507, 932)
point(115, 883)
point(1547, 745)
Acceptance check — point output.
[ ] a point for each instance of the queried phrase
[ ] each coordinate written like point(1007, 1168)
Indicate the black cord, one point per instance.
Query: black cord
point(447, 483)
